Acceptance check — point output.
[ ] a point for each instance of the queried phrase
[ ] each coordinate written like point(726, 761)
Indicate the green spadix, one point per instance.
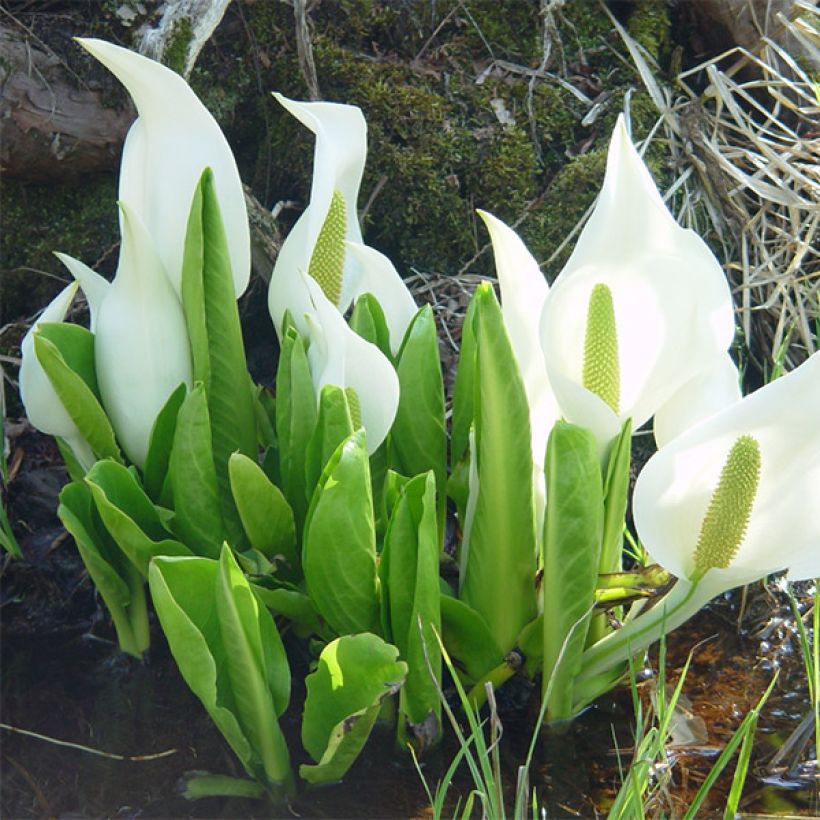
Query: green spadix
point(601, 369)
point(328, 257)
point(730, 507)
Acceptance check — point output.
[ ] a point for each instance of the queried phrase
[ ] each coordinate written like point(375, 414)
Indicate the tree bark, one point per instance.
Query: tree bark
point(53, 128)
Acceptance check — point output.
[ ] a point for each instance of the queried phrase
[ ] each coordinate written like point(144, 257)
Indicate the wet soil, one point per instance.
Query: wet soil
point(63, 677)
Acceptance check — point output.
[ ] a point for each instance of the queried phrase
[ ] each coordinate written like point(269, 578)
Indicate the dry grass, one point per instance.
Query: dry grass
point(748, 146)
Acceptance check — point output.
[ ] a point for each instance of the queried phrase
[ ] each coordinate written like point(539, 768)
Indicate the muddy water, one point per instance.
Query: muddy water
point(77, 688)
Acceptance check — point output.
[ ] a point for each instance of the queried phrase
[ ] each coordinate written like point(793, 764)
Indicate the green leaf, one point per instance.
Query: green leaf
point(333, 426)
point(265, 406)
point(367, 319)
point(616, 491)
point(198, 785)
point(129, 516)
point(354, 675)
point(257, 669)
point(339, 549)
point(184, 595)
point(78, 399)
point(295, 420)
point(418, 439)
point(229, 653)
point(198, 521)
point(290, 603)
point(159, 445)
point(266, 515)
point(116, 579)
point(573, 527)
point(464, 386)
point(76, 345)
point(211, 314)
point(468, 639)
point(76, 471)
point(410, 603)
point(500, 544)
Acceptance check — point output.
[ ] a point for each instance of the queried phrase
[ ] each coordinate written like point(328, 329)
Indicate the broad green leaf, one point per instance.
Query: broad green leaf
point(295, 421)
point(354, 675)
point(616, 492)
point(212, 317)
point(159, 445)
point(418, 440)
point(499, 578)
point(76, 346)
point(367, 319)
point(333, 426)
point(116, 579)
point(198, 521)
point(129, 516)
point(468, 639)
point(266, 515)
point(410, 606)
point(464, 387)
point(339, 549)
point(78, 399)
point(257, 666)
point(184, 595)
point(573, 526)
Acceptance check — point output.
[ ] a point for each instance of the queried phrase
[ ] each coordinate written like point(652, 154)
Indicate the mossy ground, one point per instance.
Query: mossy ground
point(450, 130)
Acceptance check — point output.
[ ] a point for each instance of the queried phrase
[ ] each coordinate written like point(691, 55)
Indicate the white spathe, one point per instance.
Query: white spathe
point(674, 488)
point(43, 406)
point(166, 150)
point(702, 396)
point(523, 294)
point(672, 304)
point(142, 350)
point(339, 356)
point(338, 165)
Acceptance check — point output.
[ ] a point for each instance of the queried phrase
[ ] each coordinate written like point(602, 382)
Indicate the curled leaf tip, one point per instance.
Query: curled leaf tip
point(601, 374)
point(328, 258)
point(727, 516)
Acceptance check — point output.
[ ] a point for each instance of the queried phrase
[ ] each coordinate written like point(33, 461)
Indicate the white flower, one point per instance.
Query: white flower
point(641, 307)
point(142, 351)
point(733, 499)
point(339, 356)
point(43, 407)
point(326, 241)
point(167, 148)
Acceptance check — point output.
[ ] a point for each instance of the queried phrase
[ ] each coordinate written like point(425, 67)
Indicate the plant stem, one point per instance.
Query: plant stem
point(676, 607)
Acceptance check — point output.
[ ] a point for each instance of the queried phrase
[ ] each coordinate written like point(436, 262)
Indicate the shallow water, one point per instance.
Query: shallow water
point(77, 688)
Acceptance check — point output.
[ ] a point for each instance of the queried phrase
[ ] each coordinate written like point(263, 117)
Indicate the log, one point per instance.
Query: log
point(53, 127)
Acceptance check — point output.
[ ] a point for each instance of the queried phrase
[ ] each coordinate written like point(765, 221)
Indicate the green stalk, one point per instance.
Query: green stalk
point(684, 600)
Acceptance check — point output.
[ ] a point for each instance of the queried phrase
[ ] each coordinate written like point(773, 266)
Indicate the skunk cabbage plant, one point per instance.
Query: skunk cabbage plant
point(729, 501)
point(166, 149)
point(640, 308)
point(43, 406)
point(326, 241)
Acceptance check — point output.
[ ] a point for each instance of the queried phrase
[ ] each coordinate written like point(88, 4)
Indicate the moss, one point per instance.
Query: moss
point(38, 219)
point(649, 24)
point(566, 200)
point(176, 52)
